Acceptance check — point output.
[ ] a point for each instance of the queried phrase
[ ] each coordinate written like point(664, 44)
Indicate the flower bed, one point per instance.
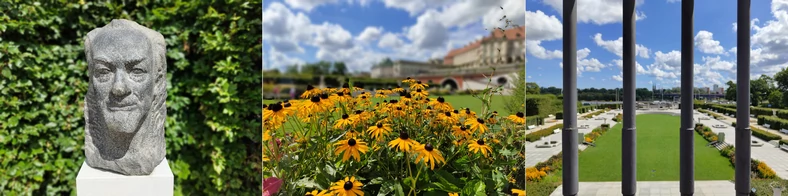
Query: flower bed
point(390, 142)
point(593, 114)
point(619, 117)
point(591, 137)
point(545, 176)
point(761, 169)
point(536, 135)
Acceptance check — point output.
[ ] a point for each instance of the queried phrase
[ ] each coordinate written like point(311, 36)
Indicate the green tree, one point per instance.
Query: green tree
point(776, 99)
point(292, 69)
point(781, 78)
point(759, 88)
point(531, 88)
point(730, 92)
point(339, 68)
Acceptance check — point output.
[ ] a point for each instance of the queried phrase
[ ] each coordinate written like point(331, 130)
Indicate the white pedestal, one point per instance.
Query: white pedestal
point(91, 181)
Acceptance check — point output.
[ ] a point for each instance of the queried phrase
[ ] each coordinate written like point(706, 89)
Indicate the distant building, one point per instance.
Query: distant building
point(478, 54)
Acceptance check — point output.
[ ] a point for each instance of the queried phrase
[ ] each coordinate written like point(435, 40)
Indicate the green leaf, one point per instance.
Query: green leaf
point(476, 187)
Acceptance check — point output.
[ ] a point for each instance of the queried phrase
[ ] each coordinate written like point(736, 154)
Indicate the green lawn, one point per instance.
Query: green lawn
point(657, 154)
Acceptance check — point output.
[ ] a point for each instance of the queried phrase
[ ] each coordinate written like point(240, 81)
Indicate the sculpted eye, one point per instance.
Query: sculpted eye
point(137, 71)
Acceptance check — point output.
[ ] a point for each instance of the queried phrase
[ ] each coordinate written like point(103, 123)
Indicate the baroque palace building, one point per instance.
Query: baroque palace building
point(476, 55)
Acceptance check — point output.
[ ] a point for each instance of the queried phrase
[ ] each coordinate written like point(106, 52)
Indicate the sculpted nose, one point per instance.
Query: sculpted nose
point(119, 86)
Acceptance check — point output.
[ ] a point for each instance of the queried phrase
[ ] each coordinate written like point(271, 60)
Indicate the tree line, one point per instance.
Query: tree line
point(593, 94)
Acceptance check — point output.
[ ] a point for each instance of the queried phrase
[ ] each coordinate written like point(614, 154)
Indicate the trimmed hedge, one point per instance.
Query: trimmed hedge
point(593, 114)
point(536, 135)
point(534, 120)
point(214, 74)
point(764, 135)
point(775, 123)
point(559, 115)
point(539, 105)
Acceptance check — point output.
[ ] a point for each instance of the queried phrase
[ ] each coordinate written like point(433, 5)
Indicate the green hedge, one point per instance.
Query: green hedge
point(213, 126)
point(764, 135)
point(775, 123)
point(559, 115)
point(536, 135)
point(534, 120)
point(540, 105)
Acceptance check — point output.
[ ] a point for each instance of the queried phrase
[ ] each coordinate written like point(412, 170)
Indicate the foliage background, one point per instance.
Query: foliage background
point(214, 87)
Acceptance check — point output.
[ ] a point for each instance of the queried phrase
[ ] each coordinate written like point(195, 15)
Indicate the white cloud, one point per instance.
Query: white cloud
point(370, 34)
point(332, 36)
point(284, 28)
point(542, 27)
point(428, 32)
point(533, 48)
point(390, 40)
point(618, 78)
point(715, 63)
point(308, 5)
point(584, 64)
point(598, 11)
point(414, 7)
point(705, 42)
point(513, 10)
point(617, 46)
point(278, 60)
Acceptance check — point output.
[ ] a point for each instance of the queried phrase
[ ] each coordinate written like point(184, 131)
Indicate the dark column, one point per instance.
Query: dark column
point(628, 141)
point(569, 135)
point(687, 132)
point(743, 98)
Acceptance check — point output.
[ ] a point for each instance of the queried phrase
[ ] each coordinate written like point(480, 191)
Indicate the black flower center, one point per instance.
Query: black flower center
point(265, 106)
point(394, 101)
point(345, 116)
point(403, 135)
point(418, 82)
point(480, 142)
point(287, 105)
point(479, 120)
point(428, 147)
point(315, 99)
point(275, 107)
point(408, 96)
point(351, 142)
point(520, 114)
point(467, 111)
point(364, 97)
point(348, 185)
point(358, 111)
point(456, 111)
point(429, 107)
point(345, 85)
point(403, 93)
point(418, 90)
point(309, 87)
point(463, 128)
point(324, 96)
point(448, 114)
point(399, 108)
point(380, 125)
point(441, 100)
point(407, 78)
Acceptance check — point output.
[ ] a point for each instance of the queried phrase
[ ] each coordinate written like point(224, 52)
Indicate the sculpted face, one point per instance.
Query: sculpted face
point(122, 71)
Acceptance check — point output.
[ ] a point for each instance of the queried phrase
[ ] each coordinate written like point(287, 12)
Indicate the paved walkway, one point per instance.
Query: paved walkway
point(653, 188)
point(534, 155)
point(753, 122)
point(550, 121)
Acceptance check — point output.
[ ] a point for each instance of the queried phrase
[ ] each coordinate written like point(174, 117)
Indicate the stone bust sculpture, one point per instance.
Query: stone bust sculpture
point(125, 106)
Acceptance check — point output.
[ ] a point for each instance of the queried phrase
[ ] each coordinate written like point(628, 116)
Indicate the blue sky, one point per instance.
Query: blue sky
point(363, 32)
point(658, 38)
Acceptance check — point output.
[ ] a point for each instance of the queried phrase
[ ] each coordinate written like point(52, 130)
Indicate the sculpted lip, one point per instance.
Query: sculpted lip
point(121, 107)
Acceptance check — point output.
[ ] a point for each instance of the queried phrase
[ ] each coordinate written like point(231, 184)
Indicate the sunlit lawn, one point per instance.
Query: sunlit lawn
point(657, 154)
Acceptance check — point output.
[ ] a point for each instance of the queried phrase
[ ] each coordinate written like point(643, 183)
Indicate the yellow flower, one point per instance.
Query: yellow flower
point(342, 123)
point(441, 105)
point(420, 93)
point(408, 80)
point(403, 142)
point(267, 135)
point(460, 132)
point(275, 112)
point(347, 187)
point(479, 146)
point(351, 147)
point(317, 193)
point(476, 125)
point(449, 118)
point(468, 114)
point(418, 86)
point(398, 89)
point(428, 155)
point(314, 105)
point(380, 130)
point(311, 91)
point(518, 192)
point(518, 118)
point(454, 194)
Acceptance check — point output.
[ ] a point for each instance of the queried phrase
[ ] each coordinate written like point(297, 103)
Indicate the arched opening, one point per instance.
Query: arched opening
point(450, 83)
point(501, 81)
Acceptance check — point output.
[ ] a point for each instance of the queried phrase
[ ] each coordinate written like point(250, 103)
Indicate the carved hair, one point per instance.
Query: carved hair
point(155, 120)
